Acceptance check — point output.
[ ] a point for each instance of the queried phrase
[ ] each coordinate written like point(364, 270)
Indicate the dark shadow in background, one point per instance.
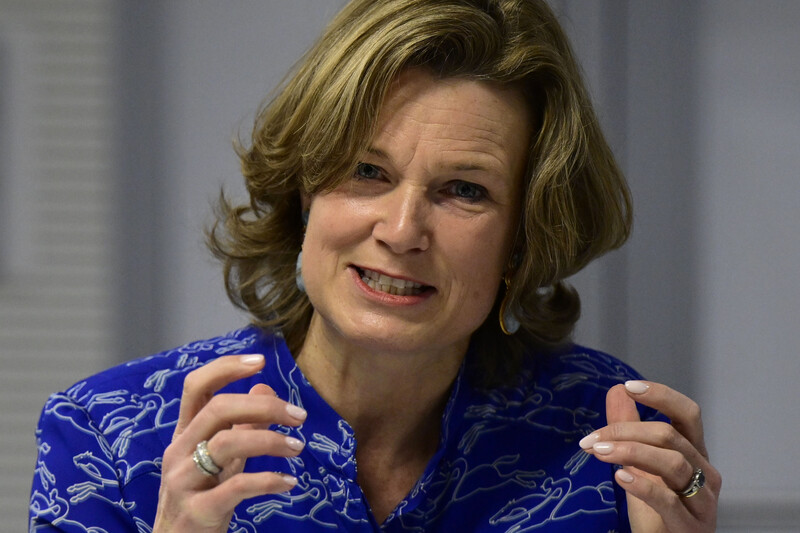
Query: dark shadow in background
point(139, 198)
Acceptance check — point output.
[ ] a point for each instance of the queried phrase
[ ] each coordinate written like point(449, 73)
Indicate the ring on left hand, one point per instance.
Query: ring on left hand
point(697, 482)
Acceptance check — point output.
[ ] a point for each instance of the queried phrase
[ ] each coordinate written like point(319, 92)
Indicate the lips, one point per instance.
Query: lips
point(381, 282)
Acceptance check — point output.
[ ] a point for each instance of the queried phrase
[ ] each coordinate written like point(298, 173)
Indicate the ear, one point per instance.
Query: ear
point(305, 201)
point(514, 261)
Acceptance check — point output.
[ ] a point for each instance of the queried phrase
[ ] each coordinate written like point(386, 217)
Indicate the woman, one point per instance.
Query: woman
point(439, 166)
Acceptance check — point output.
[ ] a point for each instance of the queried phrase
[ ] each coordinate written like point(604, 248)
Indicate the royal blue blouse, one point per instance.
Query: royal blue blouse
point(508, 458)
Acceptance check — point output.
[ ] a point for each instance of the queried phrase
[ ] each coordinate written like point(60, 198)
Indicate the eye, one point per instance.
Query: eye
point(465, 190)
point(367, 171)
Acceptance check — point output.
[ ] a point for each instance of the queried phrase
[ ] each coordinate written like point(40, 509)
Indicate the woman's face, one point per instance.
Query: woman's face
point(408, 253)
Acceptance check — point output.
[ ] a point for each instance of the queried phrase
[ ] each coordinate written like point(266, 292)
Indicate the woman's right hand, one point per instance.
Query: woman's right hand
point(236, 427)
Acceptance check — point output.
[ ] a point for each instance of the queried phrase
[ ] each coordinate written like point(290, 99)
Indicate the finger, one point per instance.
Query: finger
point(678, 514)
point(620, 407)
point(220, 500)
point(233, 461)
point(681, 410)
point(654, 434)
point(670, 465)
point(201, 384)
point(224, 411)
point(239, 444)
point(263, 389)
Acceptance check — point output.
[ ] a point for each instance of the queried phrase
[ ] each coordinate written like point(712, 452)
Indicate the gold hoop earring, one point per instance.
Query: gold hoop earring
point(298, 268)
point(509, 322)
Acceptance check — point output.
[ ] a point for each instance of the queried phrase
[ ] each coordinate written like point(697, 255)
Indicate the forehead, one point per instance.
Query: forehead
point(467, 115)
point(485, 102)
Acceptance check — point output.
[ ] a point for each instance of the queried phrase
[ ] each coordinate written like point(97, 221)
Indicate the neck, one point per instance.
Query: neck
point(393, 400)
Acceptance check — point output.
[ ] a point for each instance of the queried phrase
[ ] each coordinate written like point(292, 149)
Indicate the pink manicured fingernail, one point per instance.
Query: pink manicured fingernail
point(296, 412)
point(251, 359)
point(589, 440)
point(637, 387)
point(289, 480)
point(625, 476)
point(295, 444)
point(603, 448)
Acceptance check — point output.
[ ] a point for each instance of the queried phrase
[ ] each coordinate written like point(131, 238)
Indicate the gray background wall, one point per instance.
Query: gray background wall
point(115, 127)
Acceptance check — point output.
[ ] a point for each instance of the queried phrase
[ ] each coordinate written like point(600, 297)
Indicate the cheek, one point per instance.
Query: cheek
point(482, 261)
point(479, 291)
point(321, 253)
point(334, 229)
point(487, 249)
point(332, 224)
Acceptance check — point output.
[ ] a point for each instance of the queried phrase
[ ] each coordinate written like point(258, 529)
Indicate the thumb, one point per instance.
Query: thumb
point(620, 407)
point(262, 388)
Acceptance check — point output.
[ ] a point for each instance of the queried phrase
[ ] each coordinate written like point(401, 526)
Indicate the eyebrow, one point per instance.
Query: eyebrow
point(378, 152)
point(466, 167)
point(460, 167)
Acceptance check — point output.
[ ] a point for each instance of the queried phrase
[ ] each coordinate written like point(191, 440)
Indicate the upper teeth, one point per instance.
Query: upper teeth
point(385, 283)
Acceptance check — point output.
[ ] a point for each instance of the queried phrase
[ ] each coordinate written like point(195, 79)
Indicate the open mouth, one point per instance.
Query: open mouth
point(383, 283)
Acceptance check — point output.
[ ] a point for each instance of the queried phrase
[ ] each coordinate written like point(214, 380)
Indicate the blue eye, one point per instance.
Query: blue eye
point(367, 171)
point(468, 191)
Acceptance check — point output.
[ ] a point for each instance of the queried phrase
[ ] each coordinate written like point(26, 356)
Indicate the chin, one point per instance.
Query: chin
point(405, 339)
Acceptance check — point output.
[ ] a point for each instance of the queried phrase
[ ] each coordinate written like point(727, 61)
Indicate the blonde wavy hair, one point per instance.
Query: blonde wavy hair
point(307, 140)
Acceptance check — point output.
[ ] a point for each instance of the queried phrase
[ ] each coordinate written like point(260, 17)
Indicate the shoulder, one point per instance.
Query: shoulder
point(163, 373)
point(570, 368)
point(564, 390)
point(141, 396)
point(579, 366)
point(577, 377)
point(560, 394)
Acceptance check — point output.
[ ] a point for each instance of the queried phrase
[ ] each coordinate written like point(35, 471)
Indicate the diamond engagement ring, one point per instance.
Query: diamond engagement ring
point(203, 460)
point(697, 482)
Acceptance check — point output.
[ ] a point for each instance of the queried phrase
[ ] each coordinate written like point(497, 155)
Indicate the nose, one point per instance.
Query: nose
point(403, 221)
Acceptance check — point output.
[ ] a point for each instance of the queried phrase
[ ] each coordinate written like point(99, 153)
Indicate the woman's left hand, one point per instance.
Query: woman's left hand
point(659, 460)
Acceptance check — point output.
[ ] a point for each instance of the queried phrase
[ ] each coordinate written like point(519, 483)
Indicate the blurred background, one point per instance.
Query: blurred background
point(116, 121)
